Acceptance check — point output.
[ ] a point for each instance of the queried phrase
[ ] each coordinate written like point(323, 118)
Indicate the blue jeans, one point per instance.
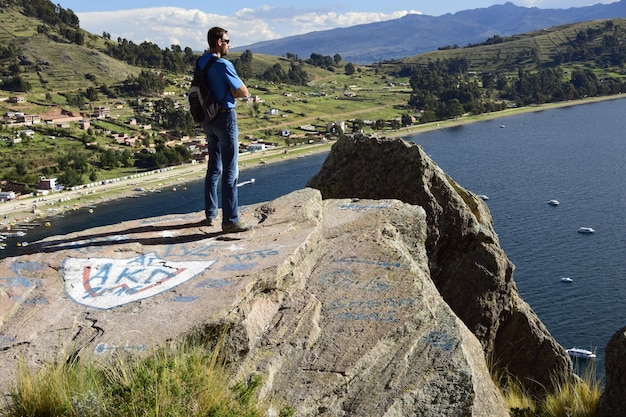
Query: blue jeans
point(222, 137)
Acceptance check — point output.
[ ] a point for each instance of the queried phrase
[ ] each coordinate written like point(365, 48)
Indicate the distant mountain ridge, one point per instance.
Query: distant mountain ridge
point(415, 34)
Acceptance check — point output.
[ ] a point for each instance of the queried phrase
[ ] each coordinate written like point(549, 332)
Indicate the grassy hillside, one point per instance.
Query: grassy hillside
point(55, 68)
point(49, 65)
point(531, 50)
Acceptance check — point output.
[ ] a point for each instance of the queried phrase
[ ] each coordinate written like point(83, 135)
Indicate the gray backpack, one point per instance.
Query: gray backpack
point(203, 105)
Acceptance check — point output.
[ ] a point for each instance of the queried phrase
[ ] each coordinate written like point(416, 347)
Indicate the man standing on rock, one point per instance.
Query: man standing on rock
point(222, 134)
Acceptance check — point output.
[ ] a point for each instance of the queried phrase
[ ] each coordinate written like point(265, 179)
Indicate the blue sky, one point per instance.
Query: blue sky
point(167, 23)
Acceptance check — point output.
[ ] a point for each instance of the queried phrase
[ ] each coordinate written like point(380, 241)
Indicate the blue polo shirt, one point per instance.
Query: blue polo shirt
point(222, 77)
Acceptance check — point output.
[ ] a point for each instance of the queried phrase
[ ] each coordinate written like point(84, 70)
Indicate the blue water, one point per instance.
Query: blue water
point(576, 155)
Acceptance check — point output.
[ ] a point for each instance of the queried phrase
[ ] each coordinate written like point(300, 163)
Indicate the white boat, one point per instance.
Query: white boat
point(13, 234)
point(566, 279)
point(586, 230)
point(483, 197)
point(250, 181)
point(581, 353)
point(554, 202)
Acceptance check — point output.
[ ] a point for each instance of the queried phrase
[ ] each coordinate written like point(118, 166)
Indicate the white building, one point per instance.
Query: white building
point(256, 147)
point(6, 196)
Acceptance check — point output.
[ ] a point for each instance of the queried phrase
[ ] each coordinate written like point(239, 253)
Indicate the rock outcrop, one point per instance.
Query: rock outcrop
point(613, 401)
point(384, 300)
point(466, 262)
point(331, 302)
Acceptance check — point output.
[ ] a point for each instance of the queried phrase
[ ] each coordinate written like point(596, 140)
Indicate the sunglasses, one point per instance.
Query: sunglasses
point(226, 41)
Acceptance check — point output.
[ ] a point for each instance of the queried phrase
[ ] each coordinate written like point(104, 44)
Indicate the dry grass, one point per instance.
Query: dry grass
point(186, 380)
point(575, 399)
point(572, 398)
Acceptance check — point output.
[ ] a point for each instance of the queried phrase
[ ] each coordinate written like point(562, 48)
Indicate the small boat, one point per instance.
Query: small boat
point(566, 279)
point(483, 197)
point(581, 353)
point(250, 181)
point(586, 230)
point(13, 234)
point(554, 202)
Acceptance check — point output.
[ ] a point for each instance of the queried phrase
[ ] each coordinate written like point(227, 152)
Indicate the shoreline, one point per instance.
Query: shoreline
point(41, 208)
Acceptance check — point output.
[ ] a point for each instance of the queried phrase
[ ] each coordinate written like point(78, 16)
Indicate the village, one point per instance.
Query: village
point(126, 133)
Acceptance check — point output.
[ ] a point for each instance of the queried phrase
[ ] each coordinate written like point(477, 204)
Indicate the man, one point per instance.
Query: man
point(222, 134)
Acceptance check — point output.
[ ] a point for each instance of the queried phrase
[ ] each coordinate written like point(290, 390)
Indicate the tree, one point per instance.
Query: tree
point(455, 108)
point(71, 178)
point(16, 83)
point(243, 65)
point(358, 125)
point(337, 59)
point(350, 69)
point(91, 94)
point(20, 168)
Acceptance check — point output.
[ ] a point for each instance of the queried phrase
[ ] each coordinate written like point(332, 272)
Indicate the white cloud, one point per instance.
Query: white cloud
point(166, 26)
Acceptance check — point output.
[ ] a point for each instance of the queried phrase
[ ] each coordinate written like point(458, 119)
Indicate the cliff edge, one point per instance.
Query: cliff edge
point(465, 260)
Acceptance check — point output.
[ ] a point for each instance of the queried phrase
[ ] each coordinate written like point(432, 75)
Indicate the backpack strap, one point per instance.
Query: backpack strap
point(207, 66)
point(205, 70)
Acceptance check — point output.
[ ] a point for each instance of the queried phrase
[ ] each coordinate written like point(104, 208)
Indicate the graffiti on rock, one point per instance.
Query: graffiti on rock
point(108, 282)
point(359, 207)
point(356, 298)
point(21, 272)
point(103, 348)
point(440, 340)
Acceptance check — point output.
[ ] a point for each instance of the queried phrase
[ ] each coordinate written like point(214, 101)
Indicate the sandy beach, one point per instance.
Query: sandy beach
point(39, 208)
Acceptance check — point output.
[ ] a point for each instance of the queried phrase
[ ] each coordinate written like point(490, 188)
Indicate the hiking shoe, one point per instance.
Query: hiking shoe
point(205, 222)
point(235, 227)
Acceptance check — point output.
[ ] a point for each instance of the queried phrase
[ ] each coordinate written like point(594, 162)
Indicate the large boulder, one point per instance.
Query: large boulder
point(466, 262)
point(613, 400)
point(330, 301)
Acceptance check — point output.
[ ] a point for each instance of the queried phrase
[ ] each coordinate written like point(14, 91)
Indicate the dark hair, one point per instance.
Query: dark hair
point(214, 34)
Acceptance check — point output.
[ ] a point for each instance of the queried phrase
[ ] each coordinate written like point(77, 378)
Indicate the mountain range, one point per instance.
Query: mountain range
point(415, 34)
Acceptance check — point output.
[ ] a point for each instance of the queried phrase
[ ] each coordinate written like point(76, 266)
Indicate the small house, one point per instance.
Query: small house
point(7, 196)
point(47, 184)
point(256, 147)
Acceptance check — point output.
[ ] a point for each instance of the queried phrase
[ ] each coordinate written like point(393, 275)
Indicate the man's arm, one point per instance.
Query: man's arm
point(241, 92)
